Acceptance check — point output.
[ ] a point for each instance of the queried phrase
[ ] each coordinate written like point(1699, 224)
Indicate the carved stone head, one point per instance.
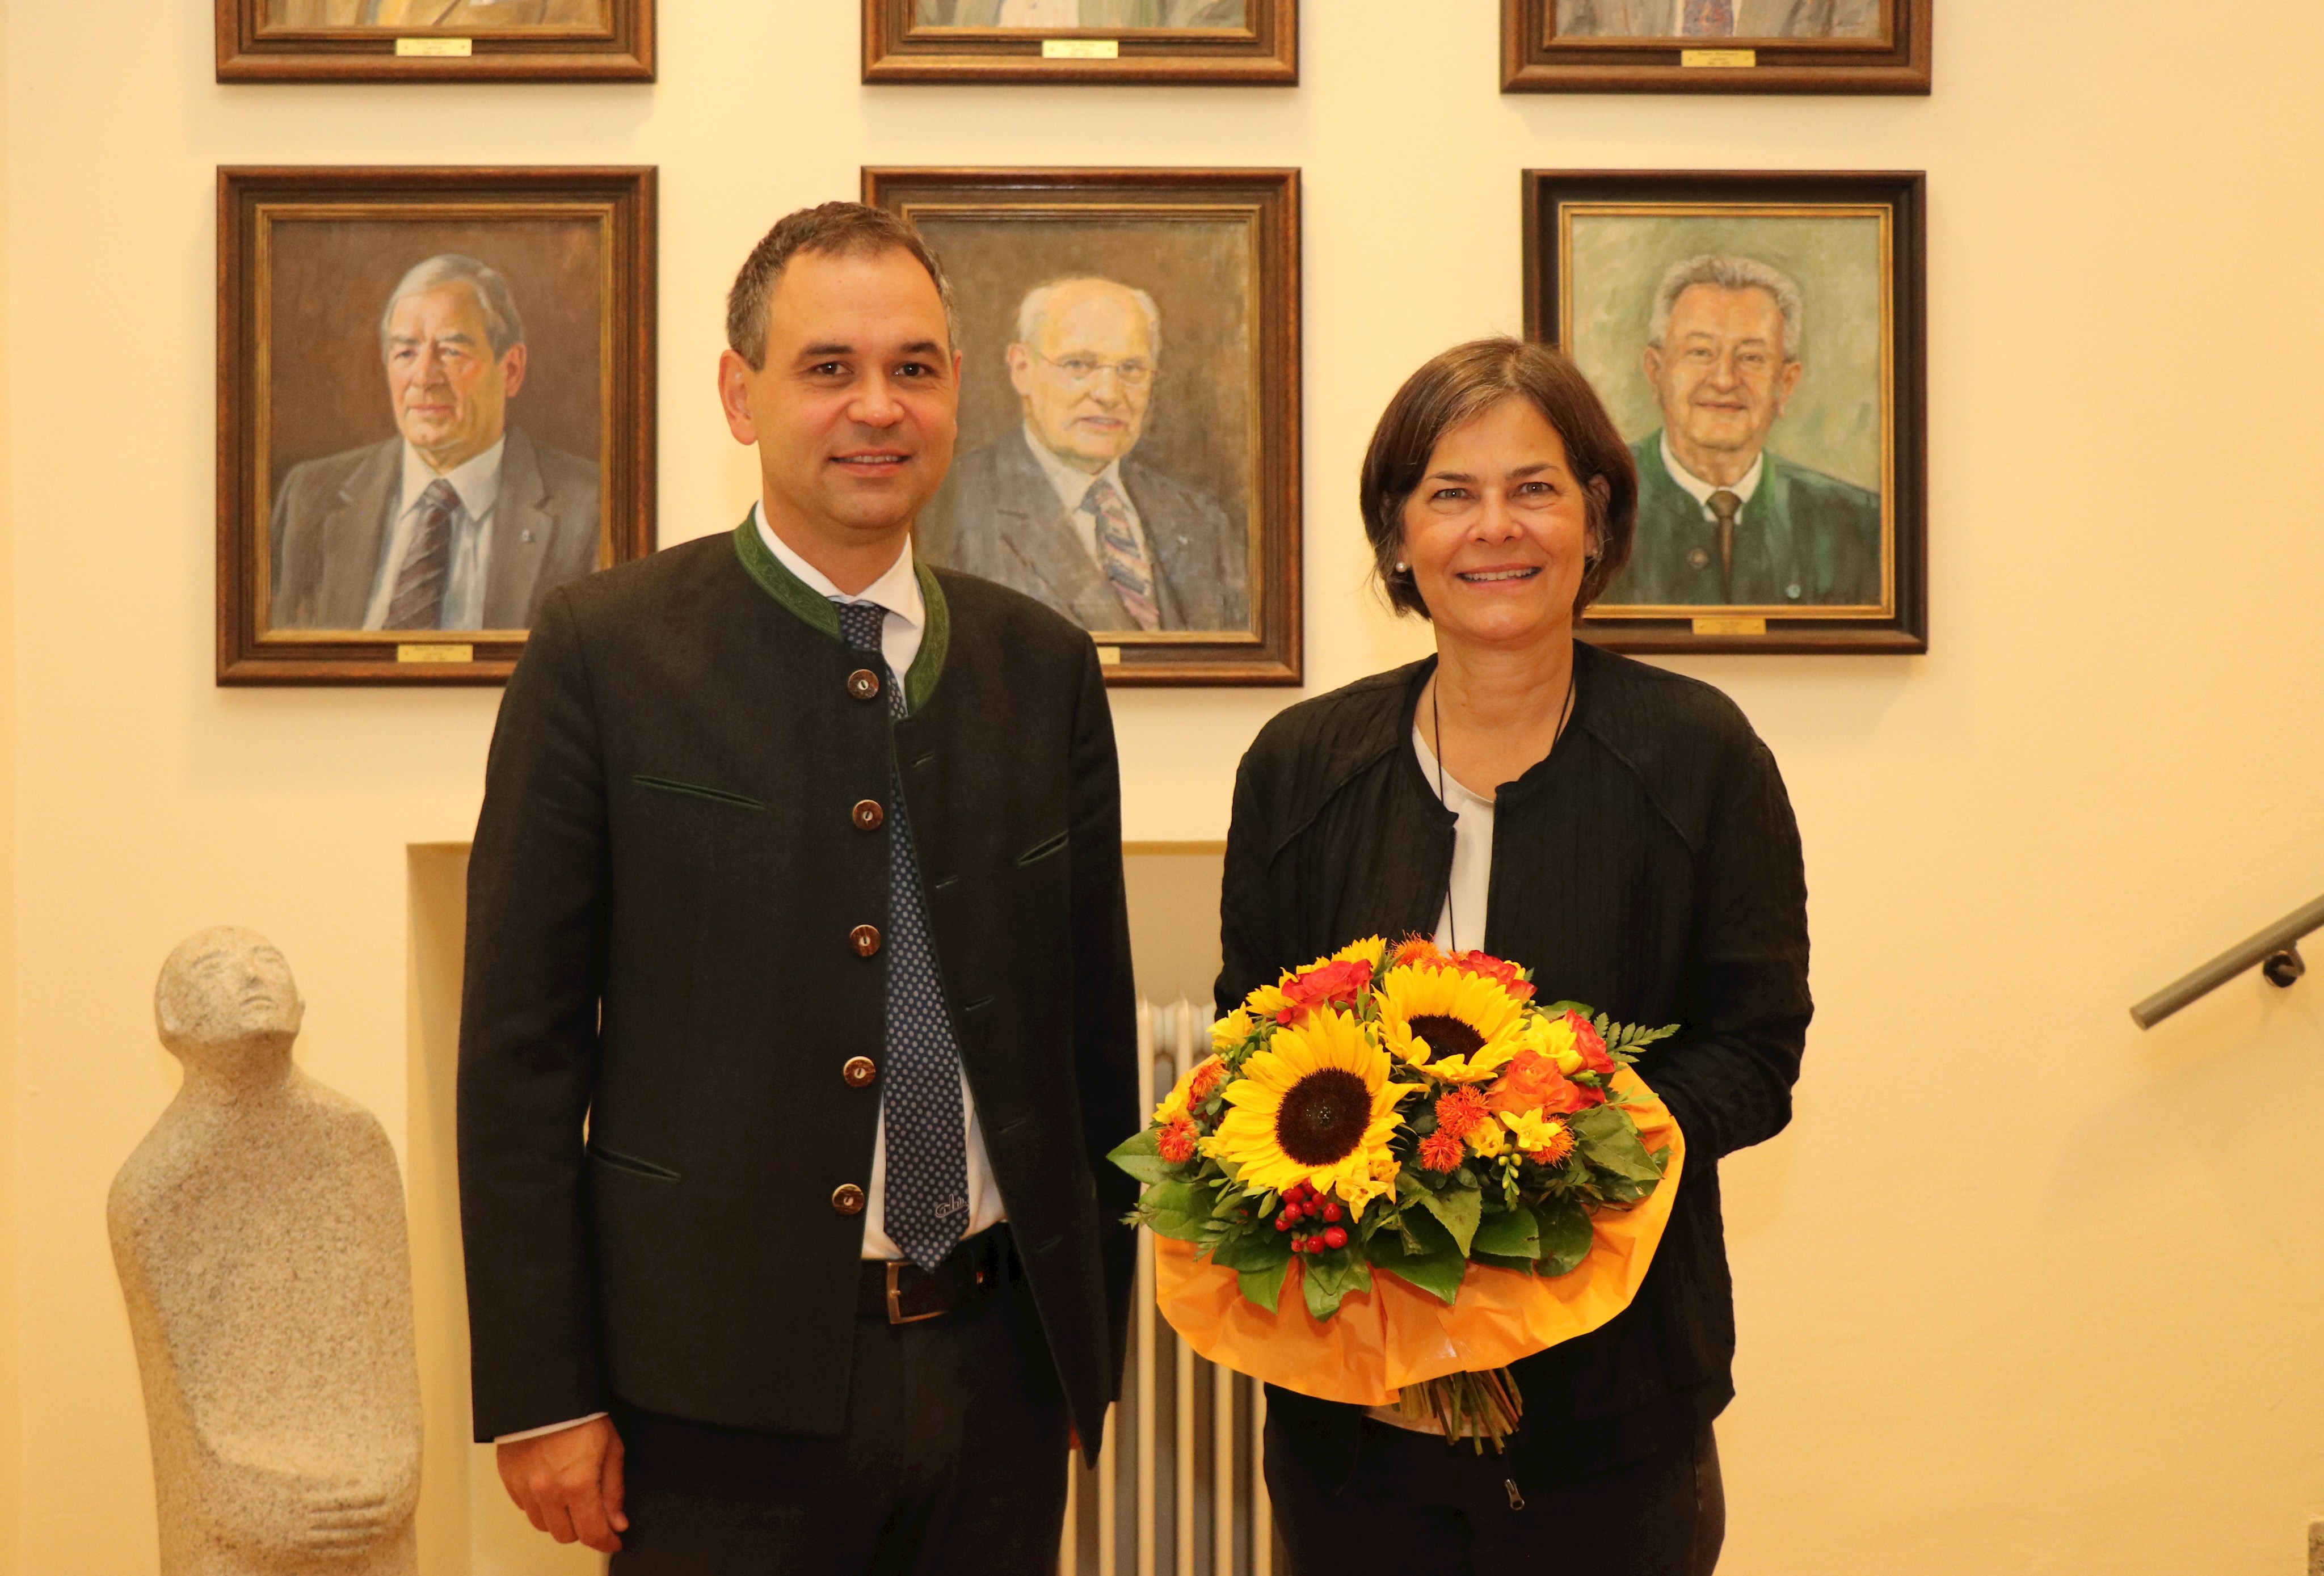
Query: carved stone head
point(225, 1003)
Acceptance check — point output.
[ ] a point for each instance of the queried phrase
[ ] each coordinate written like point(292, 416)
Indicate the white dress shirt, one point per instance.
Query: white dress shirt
point(1073, 485)
point(1700, 490)
point(478, 484)
point(898, 591)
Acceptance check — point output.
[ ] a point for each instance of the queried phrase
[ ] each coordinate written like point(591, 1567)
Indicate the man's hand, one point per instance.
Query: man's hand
point(569, 1483)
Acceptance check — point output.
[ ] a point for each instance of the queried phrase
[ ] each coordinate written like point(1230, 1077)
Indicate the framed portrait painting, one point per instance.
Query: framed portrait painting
point(435, 407)
point(487, 41)
point(1129, 447)
point(1760, 341)
point(1715, 46)
point(1232, 41)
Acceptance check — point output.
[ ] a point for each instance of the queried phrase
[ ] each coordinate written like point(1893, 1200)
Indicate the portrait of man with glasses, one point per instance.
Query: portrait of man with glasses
point(1060, 507)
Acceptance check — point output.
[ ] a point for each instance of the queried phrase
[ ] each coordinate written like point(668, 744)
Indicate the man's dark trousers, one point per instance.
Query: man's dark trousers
point(677, 862)
point(952, 1464)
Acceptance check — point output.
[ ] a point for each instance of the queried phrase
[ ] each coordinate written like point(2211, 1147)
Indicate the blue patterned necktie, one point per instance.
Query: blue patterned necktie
point(926, 1207)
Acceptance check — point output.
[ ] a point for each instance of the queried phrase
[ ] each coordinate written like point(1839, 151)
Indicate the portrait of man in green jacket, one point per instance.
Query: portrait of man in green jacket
point(1723, 520)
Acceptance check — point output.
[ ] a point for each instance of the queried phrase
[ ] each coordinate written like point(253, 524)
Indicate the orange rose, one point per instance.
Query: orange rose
point(1532, 1082)
point(1499, 969)
point(1591, 1045)
point(1336, 984)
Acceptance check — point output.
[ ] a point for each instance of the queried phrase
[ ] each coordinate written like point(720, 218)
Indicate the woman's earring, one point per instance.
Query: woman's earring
point(1402, 567)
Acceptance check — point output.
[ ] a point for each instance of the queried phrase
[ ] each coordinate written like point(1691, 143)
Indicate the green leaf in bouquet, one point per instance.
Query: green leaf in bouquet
point(1327, 1279)
point(1437, 1270)
point(1141, 1156)
point(1177, 1198)
point(1170, 1223)
point(1265, 1287)
point(1559, 1008)
point(1251, 1250)
point(1510, 1234)
point(1505, 1261)
point(1565, 1236)
point(1458, 1209)
point(1610, 1140)
point(1420, 1234)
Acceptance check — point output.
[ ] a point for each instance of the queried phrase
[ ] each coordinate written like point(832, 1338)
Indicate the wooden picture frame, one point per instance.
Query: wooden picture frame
point(1875, 46)
point(1167, 360)
point(328, 41)
point(1669, 290)
point(338, 390)
point(1256, 45)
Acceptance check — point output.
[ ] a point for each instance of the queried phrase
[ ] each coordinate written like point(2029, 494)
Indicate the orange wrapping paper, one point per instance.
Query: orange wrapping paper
point(1396, 1334)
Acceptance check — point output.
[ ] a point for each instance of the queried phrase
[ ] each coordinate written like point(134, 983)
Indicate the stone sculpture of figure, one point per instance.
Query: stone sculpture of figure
point(259, 1234)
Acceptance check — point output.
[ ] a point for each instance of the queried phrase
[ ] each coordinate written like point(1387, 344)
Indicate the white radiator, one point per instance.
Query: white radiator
point(1178, 1489)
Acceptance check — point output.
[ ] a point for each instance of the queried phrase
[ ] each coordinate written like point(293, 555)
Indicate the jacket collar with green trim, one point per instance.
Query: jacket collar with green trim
point(820, 613)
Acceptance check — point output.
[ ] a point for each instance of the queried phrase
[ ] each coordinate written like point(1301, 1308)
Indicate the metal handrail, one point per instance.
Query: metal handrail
point(2275, 950)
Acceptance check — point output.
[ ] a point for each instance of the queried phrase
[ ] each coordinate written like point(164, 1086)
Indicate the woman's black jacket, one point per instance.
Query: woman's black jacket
point(1650, 866)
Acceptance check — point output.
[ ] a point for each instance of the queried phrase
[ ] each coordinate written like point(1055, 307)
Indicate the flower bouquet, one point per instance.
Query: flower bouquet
point(1454, 1175)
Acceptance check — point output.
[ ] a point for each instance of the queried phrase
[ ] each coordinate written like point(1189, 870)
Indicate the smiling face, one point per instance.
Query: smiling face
point(1721, 377)
point(1497, 530)
point(855, 408)
point(449, 390)
point(1087, 375)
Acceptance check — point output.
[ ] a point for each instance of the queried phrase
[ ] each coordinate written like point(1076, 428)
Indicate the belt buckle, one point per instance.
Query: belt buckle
point(896, 1314)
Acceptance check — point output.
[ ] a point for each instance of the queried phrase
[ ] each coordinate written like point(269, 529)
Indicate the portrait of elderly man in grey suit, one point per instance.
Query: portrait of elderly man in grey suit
point(480, 15)
point(459, 521)
point(1062, 509)
point(1048, 13)
point(1721, 519)
point(1720, 18)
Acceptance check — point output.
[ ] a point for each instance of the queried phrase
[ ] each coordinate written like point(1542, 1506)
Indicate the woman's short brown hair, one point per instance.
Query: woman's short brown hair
point(1457, 387)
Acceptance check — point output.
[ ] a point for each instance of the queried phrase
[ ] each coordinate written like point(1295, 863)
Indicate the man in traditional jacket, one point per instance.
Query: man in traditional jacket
point(799, 1017)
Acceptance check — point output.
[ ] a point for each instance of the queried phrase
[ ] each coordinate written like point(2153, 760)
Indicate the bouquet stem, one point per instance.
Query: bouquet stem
point(1482, 1408)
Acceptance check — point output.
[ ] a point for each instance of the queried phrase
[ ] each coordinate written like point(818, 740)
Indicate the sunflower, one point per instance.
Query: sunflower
point(1456, 1025)
point(1315, 1106)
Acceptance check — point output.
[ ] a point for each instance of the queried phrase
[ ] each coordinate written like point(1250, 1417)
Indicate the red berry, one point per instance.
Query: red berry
point(1309, 1244)
point(1283, 1222)
point(1296, 1211)
point(1335, 1236)
point(1332, 1209)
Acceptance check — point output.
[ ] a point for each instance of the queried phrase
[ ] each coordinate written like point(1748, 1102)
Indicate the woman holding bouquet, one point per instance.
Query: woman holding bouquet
point(1615, 828)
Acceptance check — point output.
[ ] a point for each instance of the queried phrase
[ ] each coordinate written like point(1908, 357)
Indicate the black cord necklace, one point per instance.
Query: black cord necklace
point(1436, 721)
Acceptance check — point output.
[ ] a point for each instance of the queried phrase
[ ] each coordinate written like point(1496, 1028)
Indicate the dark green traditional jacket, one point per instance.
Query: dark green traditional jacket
point(665, 874)
point(1806, 539)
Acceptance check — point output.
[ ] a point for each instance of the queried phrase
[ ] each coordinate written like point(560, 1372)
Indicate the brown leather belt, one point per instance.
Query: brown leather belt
point(897, 1291)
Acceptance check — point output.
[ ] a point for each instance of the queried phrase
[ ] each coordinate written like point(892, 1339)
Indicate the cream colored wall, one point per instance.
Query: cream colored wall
point(2021, 1290)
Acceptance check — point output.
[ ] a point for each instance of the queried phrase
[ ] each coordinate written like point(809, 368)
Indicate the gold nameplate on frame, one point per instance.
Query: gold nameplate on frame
point(1109, 656)
point(1731, 626)
point(1081, 49)
point(438, 651)
point(437, 48)
point(1721, 59)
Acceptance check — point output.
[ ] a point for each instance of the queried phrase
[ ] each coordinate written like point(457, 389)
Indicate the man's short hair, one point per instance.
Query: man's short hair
point(1036, 307)
point(834, 229)
point(503, 324)
point(1453, 389)
point(1729, 272)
